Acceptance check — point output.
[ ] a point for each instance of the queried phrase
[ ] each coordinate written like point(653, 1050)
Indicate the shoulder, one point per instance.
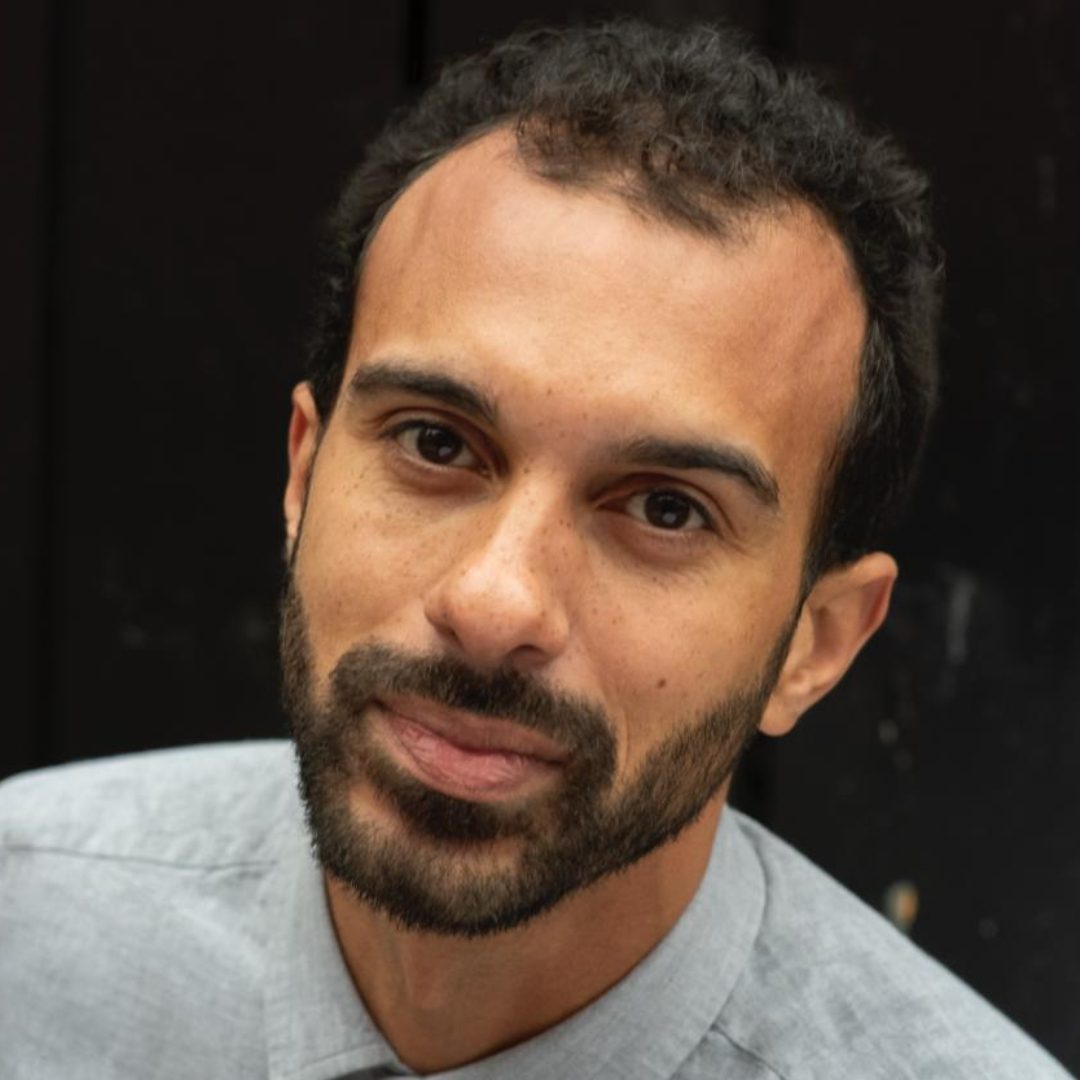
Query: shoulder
point(832, 989)
point(194, 805)
point(134, 894)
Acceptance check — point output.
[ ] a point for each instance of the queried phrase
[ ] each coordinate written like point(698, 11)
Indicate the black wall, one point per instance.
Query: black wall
point(163, 170)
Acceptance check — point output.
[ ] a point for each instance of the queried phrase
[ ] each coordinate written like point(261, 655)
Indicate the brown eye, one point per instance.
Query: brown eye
point(436, 444)
point(668, 510)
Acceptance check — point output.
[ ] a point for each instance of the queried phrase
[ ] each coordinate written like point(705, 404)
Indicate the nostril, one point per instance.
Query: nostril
point(502, 596)
point(491, 619)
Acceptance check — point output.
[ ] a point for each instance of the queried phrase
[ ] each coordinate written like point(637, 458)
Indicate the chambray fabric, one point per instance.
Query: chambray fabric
point(162, 918)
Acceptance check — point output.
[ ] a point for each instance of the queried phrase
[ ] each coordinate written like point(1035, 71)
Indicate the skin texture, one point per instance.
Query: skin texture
point(585, 324)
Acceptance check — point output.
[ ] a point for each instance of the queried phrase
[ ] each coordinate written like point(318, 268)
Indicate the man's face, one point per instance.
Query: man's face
point(553, 533)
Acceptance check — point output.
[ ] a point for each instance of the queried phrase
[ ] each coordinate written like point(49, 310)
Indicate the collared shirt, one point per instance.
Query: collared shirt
point(162, 917)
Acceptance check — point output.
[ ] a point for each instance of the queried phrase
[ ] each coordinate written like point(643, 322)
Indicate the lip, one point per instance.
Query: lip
point(476, 733)
point(465, 755)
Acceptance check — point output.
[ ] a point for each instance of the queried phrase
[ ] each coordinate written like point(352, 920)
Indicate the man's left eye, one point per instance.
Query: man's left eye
point(436, 445)
point(669, 510)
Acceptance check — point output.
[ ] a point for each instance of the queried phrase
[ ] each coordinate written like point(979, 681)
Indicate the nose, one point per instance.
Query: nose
point(501, 600)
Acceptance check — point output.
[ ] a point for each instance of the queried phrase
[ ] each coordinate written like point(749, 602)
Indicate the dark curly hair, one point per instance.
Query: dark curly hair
point(695, 127)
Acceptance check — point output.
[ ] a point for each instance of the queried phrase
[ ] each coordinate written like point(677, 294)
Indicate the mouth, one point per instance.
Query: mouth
point(465, 755)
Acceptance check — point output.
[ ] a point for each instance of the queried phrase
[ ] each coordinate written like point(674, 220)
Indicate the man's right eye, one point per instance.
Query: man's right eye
point(435, 444)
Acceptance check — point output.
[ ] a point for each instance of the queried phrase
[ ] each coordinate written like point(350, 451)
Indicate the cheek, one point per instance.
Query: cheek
point(658, 666)
point(364, 560)
point(680, 651)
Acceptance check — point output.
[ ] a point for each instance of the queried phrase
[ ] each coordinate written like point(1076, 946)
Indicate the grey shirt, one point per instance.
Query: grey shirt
point(161, 917)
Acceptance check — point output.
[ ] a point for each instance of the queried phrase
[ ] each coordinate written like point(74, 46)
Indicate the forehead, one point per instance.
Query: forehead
point(528, 287)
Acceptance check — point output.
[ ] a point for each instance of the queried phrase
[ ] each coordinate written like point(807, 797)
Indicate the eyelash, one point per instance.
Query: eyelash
point(708, 523)
point(395, 432)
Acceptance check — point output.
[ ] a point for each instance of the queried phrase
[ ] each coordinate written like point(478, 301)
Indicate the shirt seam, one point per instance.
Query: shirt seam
point(348, 1052)
point(719, 1025)
point(175, 864)
point(746, 1051)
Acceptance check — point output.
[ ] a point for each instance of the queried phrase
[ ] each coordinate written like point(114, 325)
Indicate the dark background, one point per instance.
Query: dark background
point(164, 167)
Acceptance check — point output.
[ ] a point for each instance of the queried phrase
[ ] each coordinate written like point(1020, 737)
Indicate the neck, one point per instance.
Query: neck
point(443, 1001)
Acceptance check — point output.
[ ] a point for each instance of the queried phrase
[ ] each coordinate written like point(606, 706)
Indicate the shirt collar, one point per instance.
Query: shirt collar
point(643, 1027)
point(650, 1022)
point(316, 1025)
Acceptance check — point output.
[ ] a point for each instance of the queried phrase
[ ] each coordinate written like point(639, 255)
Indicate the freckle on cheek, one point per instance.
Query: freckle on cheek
point(661, 684)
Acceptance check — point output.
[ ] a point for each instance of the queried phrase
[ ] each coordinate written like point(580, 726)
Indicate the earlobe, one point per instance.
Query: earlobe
point(844, 609)
point(303, 440)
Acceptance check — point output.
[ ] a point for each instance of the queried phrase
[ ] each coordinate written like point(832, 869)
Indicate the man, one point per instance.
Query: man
point(622, 367)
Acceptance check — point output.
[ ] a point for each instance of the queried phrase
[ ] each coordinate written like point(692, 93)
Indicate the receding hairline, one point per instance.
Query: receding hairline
point(734, 223)
point(729, 220)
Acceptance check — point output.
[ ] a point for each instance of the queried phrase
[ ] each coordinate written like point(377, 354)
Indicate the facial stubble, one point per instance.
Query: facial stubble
point(466, 868)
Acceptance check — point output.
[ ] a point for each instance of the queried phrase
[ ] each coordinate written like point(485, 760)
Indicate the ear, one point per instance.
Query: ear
point(839, 616)
point(304, 432)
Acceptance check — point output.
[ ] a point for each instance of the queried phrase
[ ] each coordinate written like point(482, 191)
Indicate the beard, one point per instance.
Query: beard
point(464, 868)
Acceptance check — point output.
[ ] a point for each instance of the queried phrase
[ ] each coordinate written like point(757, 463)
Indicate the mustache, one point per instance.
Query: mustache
point(370, 671)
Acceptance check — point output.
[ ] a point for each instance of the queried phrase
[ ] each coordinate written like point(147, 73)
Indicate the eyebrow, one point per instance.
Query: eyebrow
point(386, 376)
point(644, 451)
point(723, 458)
